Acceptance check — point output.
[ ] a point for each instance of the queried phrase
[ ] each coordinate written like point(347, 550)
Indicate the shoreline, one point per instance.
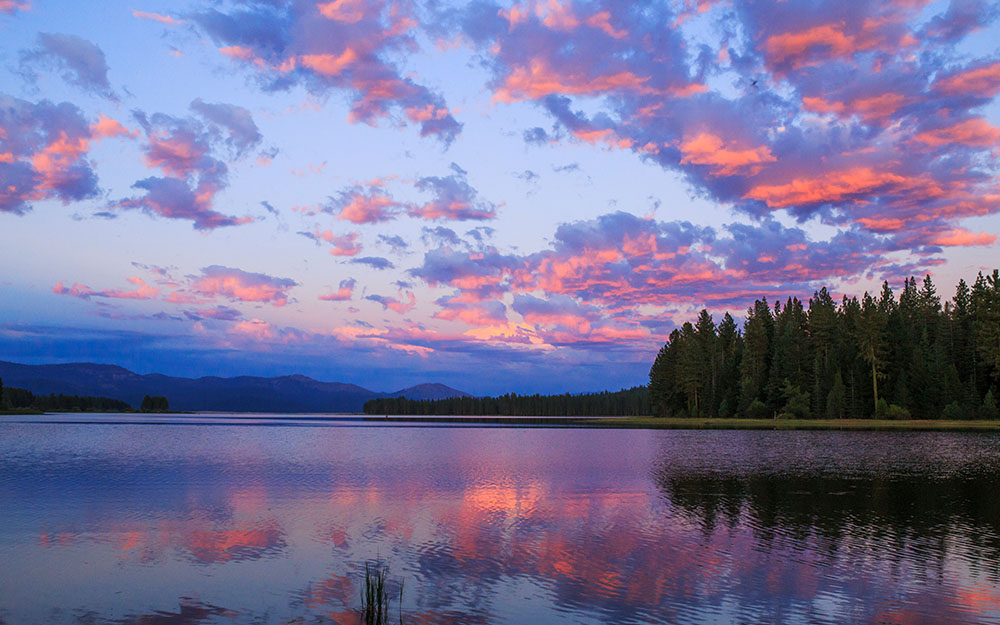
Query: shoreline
point(621, 423)
point(677, 423)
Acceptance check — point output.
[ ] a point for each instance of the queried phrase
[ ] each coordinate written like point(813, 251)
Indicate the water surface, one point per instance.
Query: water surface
point(252, 519)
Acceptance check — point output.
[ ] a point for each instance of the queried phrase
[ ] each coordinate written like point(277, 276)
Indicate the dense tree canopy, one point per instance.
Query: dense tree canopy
point(875, 357)
point(21, 399)
point(627, 402)
point(154, 404)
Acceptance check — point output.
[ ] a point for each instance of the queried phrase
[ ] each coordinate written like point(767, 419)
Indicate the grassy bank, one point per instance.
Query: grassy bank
point(652, 423)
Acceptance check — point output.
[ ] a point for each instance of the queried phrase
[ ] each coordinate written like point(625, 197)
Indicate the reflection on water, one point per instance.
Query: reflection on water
point(188, 524)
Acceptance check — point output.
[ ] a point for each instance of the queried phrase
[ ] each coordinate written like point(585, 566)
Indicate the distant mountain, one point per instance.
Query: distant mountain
point(290, 393)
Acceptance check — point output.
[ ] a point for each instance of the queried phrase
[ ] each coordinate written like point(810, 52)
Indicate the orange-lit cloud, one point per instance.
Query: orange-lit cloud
point(975, 132)
point(708, 149)
point(158, 17)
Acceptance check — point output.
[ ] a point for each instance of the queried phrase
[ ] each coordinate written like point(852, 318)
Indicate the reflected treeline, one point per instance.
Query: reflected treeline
point(890, 514)
point(501, 526)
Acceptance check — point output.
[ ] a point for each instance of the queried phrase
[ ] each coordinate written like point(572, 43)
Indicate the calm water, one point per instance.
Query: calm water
point(248, 522)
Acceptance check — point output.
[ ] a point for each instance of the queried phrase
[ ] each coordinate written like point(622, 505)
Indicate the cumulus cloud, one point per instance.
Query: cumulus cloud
point(157, 17)
point(395, 243)
point(454, 199)
point(211, 284)
point(43, 153)
point(10, 7)
point(185, 150)
point(243, 134)
point(80, 62)
point(853, 114)
point(588, 286)
point(375, 262)
point(368, 203)
point(347, 47)
point(395, 304)
point(343, 293)
point(141, 291)
point(348, 244)
point(243, 286)
point(218, 313)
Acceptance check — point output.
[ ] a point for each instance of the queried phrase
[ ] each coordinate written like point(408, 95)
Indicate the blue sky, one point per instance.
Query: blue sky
point(510, 196)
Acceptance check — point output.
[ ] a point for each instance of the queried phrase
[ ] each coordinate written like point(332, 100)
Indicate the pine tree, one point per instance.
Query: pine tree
point(691, 369)
point(754, 368)
point(836, 400)
point(872, 340)
point(730, 351)
point(707, 352)
point(987, 323)
point(662, 378)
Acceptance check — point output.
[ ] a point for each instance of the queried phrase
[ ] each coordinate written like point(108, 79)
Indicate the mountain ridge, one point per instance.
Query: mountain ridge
point(288, 393)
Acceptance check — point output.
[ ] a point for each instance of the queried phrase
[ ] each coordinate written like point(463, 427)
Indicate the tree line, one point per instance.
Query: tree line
point(12, 398)
point(20, 399)
point(881, 356)
point(626, 402)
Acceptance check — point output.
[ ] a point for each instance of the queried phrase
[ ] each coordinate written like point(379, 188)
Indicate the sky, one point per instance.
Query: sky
point(513, 196)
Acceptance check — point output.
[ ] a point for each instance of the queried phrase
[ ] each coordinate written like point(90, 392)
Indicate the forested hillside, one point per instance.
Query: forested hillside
point(882, 356)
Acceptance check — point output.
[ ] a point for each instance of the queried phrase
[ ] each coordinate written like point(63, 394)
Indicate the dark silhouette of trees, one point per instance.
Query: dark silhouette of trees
point(626, 402)
point(154, 404)
point(21, 399)
point(874, 356)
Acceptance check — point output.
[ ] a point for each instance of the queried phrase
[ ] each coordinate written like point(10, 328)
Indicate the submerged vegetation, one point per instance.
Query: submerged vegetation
point(879, 357)
point(623, 403)
point(375, 596)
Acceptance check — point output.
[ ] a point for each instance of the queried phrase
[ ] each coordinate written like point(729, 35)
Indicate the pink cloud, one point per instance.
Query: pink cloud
point(975, 132)
point(369, 207)
point(962, 237)
point(982, 80)
point(708, 149)
point(347, 11)
point(158, 17)
point(243, 286)
point(343, 293)
point(142, 291)
point(184, 149)
point(490, 313)
point(106, 127)
point(11, 6)
point(343, 245)
point(344, 45)
point(839, 186)
point(394, 304)
point(874, 109)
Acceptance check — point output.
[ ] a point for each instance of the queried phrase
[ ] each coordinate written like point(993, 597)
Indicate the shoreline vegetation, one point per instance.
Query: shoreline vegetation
point(688, 423)
point(881, 359)
point(21, 401)
point(881, 362)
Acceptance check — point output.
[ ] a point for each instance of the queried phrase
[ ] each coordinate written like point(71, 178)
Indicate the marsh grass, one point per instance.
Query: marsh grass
point(375, 596)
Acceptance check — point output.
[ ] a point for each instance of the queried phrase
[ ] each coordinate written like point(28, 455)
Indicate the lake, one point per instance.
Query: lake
point(171, 520)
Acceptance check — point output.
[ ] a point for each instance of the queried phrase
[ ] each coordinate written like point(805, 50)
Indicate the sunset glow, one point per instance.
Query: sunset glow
point(500, 196)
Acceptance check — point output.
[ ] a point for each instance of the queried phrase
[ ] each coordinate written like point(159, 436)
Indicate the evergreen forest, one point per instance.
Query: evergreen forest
point(626, 402)
point(20, 399)
point(917, 355)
